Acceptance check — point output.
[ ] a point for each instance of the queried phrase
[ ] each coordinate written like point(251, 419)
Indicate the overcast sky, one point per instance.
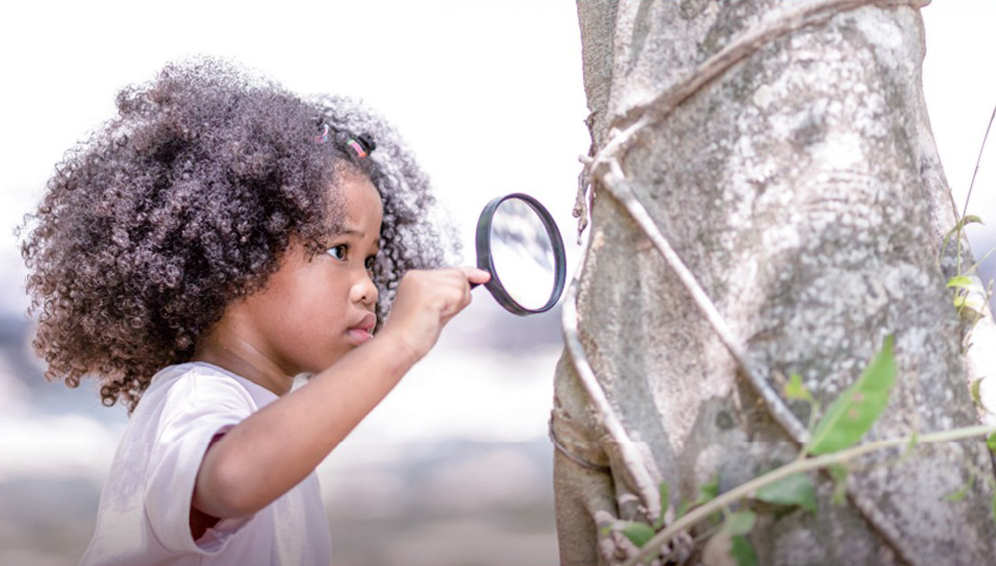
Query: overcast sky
point(488, 93)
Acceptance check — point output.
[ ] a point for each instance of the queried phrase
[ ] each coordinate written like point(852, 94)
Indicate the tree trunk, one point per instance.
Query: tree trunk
point(800, 184)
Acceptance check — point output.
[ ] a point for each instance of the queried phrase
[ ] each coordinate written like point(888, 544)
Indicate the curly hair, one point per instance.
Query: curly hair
point(185, 201)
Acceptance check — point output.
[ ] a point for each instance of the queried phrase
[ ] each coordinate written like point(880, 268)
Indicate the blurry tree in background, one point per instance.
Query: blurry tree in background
point(783, 150)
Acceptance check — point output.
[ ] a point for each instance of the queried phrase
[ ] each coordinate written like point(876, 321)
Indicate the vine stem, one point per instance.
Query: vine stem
point(634, 121)
point(976, 265)
point(795, 467)
point(634, 464)
point(971, 185)
point(615, 182)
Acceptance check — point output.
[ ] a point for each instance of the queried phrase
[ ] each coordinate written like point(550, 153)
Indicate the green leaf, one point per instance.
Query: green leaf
point(742, 552)
point(665, 502)
point(991, 442)
point(961, 493)
point(971, 301)
point(739, 523)
point(852, 414)
point(709, 491)
point(796, 489)
point(971, 293)
point(914, 440)
point(637, 533)
point(795, 389)
point(962, 282)
point(974, 389)
point(970, 219)
point(839, 474)
point(910, 446)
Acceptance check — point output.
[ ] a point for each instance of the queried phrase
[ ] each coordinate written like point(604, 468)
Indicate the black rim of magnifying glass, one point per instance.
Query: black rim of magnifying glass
point(486, 262)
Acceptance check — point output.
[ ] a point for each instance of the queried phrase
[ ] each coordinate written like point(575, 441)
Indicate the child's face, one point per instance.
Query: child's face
point(312, 312)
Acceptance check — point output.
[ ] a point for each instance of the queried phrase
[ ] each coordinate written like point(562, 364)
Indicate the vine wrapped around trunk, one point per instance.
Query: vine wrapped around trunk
point(781, 151)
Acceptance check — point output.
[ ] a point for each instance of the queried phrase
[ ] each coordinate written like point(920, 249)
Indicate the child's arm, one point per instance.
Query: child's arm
point(274, 449)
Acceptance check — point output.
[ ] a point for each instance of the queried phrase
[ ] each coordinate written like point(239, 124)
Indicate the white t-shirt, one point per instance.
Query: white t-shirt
point(144, 511)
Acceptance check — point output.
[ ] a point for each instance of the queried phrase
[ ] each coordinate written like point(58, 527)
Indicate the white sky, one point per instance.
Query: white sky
point(961, 96)
point(488, 92)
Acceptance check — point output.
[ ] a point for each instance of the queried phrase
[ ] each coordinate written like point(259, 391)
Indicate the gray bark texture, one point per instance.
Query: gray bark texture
point(802, 188)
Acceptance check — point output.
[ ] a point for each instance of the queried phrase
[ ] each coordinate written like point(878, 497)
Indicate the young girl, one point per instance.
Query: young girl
point(217, 238)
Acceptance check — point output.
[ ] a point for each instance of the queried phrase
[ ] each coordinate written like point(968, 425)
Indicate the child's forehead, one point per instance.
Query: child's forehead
point(356, 206)
point(360, 194)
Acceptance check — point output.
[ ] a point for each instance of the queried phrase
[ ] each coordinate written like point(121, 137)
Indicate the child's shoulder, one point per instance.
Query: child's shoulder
point(204, 384)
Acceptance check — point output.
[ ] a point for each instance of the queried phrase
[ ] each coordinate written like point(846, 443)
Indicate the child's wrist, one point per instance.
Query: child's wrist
point(398, 347)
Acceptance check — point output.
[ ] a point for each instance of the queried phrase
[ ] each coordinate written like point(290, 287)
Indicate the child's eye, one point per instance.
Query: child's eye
point(338, 252)
point(369, 263)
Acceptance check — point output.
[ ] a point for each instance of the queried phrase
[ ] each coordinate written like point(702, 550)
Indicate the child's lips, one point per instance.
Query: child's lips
point(363, 331)
point(359, 336)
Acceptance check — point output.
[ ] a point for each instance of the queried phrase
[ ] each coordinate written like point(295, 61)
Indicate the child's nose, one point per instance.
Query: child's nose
point(363, 290)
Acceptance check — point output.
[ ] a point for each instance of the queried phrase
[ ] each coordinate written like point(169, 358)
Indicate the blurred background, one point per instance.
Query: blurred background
point(454, 468)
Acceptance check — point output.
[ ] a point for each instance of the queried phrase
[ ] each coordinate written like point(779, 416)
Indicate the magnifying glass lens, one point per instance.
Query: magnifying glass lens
point(522, 254)
point(519, 244)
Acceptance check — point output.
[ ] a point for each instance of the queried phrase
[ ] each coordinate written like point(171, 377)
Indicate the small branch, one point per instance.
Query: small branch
point(971, 185)
point(976, 265)
point(797, 466)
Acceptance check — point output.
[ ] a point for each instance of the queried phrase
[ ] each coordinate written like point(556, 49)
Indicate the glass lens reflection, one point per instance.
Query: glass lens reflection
point(522, 254)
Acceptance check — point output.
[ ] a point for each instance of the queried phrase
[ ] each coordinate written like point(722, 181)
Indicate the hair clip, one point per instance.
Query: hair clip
point(324, 136)
point(362, 145)
point(355, 146)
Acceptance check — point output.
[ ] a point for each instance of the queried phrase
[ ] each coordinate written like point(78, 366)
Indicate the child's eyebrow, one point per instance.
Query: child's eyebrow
point(349, 232)
point(353, 232)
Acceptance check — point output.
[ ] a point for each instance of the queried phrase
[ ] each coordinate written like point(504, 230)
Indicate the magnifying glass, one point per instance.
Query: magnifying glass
point(519, 244)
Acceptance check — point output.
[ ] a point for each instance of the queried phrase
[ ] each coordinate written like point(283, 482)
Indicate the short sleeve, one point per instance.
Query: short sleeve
point(198, 407)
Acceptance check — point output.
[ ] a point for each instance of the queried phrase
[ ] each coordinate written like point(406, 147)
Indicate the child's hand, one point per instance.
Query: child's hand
point(425, 302)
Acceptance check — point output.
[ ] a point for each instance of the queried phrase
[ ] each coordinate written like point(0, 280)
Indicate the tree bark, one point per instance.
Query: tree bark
point(802, 188)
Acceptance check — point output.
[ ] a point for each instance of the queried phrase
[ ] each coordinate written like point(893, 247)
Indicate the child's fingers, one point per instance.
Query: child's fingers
point(450, 287)
point(462, 278)
point(426, 301)
point(475, 275)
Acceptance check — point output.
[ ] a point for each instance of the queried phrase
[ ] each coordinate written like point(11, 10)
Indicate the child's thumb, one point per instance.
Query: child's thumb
point(476, 276)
